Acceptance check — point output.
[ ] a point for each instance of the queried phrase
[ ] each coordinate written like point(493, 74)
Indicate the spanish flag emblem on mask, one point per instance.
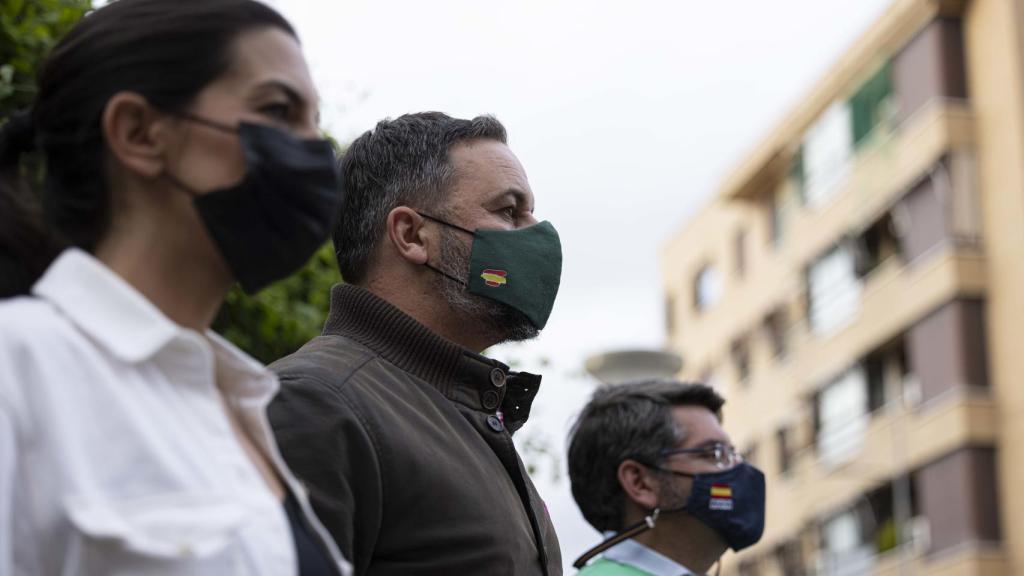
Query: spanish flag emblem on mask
point(494, 278)
point(721, 497)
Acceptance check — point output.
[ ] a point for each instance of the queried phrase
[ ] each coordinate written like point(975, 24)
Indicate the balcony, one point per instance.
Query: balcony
point(894, 441)
point(888, 165)
point(884, 170)
point(892, 298)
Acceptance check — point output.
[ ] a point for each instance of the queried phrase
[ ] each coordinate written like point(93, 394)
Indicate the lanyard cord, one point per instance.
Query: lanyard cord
point(636, 529)
point(640, 527)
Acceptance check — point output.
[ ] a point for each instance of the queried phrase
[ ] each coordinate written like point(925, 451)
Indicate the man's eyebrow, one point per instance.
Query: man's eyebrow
point(521, 197)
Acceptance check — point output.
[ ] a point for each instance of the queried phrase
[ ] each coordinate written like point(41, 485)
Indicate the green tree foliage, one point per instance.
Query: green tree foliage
point(28, 30)
point(269, 325)
point(282, 317)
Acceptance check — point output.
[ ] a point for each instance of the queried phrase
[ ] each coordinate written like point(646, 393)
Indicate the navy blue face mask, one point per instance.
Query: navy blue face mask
point(732, 503)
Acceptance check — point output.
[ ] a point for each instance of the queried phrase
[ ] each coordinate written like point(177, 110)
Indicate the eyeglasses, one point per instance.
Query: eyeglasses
point(722, 455)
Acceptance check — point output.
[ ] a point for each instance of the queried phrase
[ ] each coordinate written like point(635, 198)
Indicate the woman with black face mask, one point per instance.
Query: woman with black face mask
point(180, 154)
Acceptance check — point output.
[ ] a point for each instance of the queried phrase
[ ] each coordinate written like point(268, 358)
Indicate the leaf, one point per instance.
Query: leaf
point(28, 31)
point(284, 316)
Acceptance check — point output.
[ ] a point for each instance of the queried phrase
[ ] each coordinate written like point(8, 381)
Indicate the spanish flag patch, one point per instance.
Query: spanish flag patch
point(721, 491)
point(721, 497)
point(494, 278)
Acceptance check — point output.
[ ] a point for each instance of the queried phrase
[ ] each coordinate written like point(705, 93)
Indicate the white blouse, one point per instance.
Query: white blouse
point(116, 455)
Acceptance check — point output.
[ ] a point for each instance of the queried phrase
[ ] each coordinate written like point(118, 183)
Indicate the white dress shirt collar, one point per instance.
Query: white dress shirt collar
point(119, 318)
point(635, 554)
point(105, 307)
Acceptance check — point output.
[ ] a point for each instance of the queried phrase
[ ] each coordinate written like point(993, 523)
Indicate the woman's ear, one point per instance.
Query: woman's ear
point(135, 133)
point(406, 232)
point(639, 484)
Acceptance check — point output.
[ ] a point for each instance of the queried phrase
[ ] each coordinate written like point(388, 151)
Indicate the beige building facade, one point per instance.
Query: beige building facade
point(856, 291)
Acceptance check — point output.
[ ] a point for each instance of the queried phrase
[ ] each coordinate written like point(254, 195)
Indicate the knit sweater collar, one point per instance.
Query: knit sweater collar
point(460, 374)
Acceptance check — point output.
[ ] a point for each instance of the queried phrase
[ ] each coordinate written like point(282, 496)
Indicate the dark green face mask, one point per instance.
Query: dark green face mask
point(520, 268)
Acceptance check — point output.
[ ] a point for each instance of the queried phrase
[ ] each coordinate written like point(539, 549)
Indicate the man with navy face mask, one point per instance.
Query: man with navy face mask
point(394, 419)
point(653, 470)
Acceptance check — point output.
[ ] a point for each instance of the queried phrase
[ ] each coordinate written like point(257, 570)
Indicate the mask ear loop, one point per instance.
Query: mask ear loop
point(208, 123)
point(434, 268)
point(189, 117)
point(446, 275)
point(449, 224)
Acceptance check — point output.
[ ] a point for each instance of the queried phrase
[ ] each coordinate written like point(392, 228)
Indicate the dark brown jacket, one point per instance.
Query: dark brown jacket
point(397, 434)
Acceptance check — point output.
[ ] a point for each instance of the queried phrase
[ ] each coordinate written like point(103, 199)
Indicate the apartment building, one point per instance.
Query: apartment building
point(855, 289)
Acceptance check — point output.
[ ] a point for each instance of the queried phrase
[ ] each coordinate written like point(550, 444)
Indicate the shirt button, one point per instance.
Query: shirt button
point(495, 423)
point(498, 377)
point(490, 400)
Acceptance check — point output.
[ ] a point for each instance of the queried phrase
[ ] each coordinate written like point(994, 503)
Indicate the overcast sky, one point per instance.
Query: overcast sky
point(626, 116)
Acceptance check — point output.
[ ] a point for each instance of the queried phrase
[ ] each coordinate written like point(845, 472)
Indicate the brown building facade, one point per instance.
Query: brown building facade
point(856, 291)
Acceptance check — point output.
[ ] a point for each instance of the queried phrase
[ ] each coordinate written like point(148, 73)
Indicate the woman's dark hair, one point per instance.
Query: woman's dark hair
point(165, 50)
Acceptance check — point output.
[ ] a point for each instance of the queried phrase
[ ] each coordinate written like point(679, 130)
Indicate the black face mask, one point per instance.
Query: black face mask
point(282, 211)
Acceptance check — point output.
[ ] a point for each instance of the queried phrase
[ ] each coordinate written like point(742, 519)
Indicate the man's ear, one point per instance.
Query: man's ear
point(406, 233)
point(639, 484)
point(134, 132)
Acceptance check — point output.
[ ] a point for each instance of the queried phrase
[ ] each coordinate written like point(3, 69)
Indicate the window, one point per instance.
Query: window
point(930, 66)
point(784, 443)
point(874, 367)
point(833, 290)
point(797, 176)
point(740, 252)
point(827, 148)
point(887, 370)
point(707, 288)
point(845, 553)
point(853, 538)
point(741, 359)
point(777, 329)
point(870, 105)
point(842, 417)
point(875, 245)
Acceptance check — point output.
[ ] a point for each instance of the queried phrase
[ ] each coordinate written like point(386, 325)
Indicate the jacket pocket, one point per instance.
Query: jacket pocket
point(182, 533)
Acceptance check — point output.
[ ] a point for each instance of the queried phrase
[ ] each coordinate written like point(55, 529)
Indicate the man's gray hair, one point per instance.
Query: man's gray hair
point(401, 162)
point(626, 421)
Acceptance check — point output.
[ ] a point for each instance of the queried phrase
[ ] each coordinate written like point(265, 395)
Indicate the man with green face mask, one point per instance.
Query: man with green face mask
point(393, 418)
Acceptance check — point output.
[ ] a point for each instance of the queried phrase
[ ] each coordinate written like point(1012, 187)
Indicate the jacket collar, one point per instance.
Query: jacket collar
point(460, 374)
